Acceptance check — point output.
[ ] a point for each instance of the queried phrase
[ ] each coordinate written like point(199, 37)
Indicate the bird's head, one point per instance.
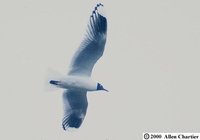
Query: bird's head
point(100, 87)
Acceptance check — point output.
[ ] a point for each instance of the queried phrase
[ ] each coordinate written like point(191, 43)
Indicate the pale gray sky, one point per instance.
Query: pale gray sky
point(150, 66)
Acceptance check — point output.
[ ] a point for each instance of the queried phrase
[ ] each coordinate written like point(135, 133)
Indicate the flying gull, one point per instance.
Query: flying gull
point(78, 80)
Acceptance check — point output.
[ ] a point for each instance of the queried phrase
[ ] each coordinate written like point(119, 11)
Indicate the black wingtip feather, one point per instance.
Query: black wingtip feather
point(72, 121)
point(100, 4)
point(99, 23)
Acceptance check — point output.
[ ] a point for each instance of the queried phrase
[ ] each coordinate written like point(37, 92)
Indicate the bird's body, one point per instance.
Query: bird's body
point(78, 81)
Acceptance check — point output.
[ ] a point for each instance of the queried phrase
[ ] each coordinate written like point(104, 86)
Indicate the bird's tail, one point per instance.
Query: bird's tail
point(51, 76)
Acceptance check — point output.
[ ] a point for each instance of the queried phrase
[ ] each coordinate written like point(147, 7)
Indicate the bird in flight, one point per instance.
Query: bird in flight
point(78, 80)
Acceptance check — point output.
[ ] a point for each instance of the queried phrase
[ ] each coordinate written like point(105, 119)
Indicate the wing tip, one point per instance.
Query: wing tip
point(72, 121)
point(100, 4)
point(99, 9)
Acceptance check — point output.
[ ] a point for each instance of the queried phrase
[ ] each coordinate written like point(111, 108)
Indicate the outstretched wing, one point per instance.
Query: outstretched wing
point(75, 108)
point(92, 47)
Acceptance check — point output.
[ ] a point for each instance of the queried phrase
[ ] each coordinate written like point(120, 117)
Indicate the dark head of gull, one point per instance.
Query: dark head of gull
point(100, 87)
